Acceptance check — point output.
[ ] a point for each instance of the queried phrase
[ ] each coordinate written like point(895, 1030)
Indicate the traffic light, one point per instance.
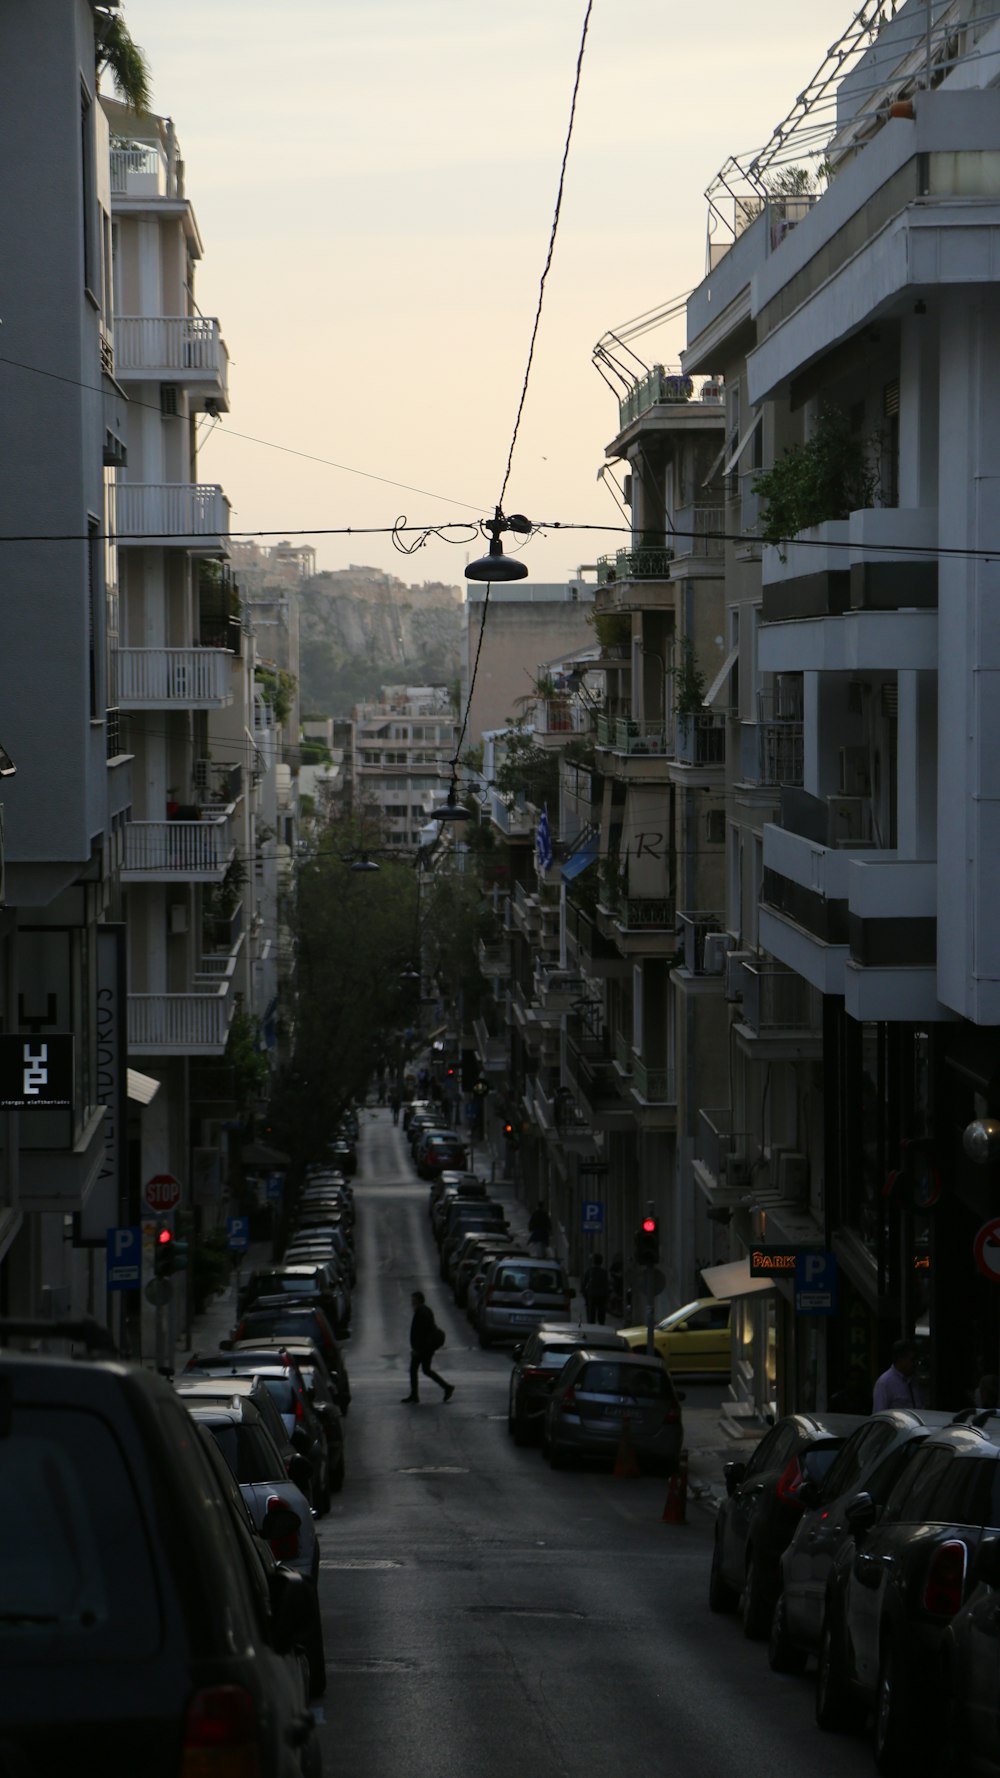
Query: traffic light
point(510, 1133)
point(647, 1241)
point(170, 1255)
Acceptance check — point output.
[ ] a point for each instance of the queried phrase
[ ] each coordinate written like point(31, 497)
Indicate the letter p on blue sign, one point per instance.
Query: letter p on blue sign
point(815, 1282)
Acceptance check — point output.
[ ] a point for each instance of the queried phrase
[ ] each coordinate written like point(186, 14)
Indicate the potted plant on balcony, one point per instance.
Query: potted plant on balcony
point(613, 630)
point(831, 475)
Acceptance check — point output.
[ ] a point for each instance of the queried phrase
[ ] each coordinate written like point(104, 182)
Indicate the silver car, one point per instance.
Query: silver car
point(519, 1293)
point(597, 1394)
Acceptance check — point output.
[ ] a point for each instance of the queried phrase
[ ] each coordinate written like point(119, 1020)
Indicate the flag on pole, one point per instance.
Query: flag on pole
point(543, 840)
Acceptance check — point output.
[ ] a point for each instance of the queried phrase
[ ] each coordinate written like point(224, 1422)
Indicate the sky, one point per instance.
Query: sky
point(374, 181)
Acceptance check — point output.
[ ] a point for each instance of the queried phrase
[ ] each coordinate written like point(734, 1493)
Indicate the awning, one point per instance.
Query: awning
point(141, 1087)
point(579, 861)
point(734, 1279)
point(720, 678)
point(744, 441)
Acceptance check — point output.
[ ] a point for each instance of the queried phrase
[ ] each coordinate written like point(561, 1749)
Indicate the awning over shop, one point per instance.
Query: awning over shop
point(579, 861)
point(734, 1279)
point(141, 1087)
point(721, 679)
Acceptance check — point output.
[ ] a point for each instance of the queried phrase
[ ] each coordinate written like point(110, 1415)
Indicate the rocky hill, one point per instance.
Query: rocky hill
point(360, 628)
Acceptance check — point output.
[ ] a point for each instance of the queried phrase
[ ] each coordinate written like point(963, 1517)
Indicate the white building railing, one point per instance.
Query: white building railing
point(170, 512)
point(180, 678)
point(185, 851)
point(180, 1024)
point(173, 347)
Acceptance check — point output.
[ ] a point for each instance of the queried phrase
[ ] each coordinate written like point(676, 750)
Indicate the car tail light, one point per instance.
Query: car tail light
point(672, 1417)
point(789, 1483)
point(945, 1582)
point(283, 1549)
point(568, 1397)
point(299, 1411)
point(220, 1735)
point(534, 1370)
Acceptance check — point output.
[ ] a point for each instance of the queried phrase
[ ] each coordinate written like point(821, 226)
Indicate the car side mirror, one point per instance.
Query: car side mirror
point(291, 1609)
point(733, 1474)
point(861, 1513)
point(300, 1472)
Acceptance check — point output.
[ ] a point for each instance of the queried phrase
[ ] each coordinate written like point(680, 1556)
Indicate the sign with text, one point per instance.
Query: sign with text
point(238, 1233)
point(124, 1258)
point(774, 1262)
point(163, 1192)
point(816, 1283)
point(593, 1216)
point(36, 1073)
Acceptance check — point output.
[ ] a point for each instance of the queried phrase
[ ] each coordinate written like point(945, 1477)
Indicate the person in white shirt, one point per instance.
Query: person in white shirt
point(897, 1387)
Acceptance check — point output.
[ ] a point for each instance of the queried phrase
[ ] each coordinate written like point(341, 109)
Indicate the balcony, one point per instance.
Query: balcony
point(780, 753)
point(494, 960)
point(657, 388)
point(640, 925)
point(699, 535)
point(174, 678)
point(140, 170)
point(514, 820)
point(590, 947)
point(181, 1024)
point(705, 943)
point(881, 558)
point(648, 562)
point(721, 1157)
point(527, 914)
point(491, 1051)
point(700, 740)
point(624, 1054)
point(653, 1095)
point(586, 1062)
point(782, 1015)
point(633, 737)
point(179, 515)
point(185, 349)
point(556, 990)
point(178, 851)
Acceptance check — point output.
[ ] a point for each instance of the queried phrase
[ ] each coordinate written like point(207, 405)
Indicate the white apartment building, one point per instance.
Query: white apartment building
point(62, 1157)
point(185, 667)
point(402, 748)
point(864, 793)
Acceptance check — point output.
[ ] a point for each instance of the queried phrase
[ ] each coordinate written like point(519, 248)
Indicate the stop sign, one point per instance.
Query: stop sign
point(163, 1192)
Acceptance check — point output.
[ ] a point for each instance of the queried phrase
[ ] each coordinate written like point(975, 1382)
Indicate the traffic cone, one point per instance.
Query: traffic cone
point(626, 1463)
point(675, 1506)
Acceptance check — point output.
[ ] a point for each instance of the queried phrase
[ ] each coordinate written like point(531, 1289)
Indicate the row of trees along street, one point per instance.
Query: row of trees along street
point(359, 931)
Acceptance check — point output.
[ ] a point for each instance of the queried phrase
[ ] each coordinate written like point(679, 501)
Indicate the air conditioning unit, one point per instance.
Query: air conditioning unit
point(854, 771)
point(733, 973)
point(790, 1173)
point(717, 946)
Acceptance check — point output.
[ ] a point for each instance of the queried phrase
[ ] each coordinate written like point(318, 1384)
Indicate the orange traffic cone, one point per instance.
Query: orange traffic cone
point(626, 1463)
point(675, 1507)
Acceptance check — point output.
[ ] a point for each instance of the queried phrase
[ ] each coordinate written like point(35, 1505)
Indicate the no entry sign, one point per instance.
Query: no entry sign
point(163, 1192)
point(986, 1249)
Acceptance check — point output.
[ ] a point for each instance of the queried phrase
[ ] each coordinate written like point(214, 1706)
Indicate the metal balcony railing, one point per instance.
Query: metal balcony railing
point(648, 562)
point(633, 736)
point(655, 1085)
point(191, 851)
point(174, 678)
point(181, 1024)
point(776, 1000)
point(700, 740)
point(780, 752)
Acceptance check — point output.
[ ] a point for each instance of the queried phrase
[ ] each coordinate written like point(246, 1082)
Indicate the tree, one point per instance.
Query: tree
point(828, 477)
point(118, 52)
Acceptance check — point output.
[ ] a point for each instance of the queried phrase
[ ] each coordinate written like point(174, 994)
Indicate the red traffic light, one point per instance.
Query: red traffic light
point(649, 1225)
point(164, 1237)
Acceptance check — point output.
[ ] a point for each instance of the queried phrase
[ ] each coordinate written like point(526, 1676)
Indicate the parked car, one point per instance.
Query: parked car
point(695, 1338)
point(597, 1393)
point(322, 1242)
point(145, 1630)
point(470, 1258)
point(487, 1222)
point(323, 1283)
point(477, 1281)
point(898, 1583)
point(872, 1459)
point(969, 1677)
point(765, 1500)
point(307, 1355)
point(538, 1362)
point(211, 1389)
point(278, 1318)
point(251, 1454)
point(344, 1156)
point(306, 1430)
point(517, 1294)
point(440, 1154)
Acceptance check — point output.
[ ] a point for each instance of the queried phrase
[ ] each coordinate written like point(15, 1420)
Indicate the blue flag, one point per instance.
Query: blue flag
point(543, 840)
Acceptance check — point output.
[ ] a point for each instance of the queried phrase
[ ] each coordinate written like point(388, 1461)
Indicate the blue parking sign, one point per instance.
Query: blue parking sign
point(238, 1233)
point(815, 1282)
point(125, 1258)
point(593, 1216)
point(273, 1188)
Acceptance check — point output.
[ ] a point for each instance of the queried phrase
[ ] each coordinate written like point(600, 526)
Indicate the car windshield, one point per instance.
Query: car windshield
point(610, 1378)
point(281, 1393)
point(684, 1314)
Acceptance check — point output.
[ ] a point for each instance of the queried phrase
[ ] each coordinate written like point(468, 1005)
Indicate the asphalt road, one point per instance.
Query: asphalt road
point(486, 1617)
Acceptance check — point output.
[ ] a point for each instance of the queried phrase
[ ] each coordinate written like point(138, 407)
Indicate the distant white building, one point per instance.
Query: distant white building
point(402, 750)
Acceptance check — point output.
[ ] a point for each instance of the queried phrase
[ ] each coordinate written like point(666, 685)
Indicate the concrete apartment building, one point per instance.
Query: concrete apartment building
point(62, 1157)
point(528, 622)
point(197, 954)
point(402, 748)
point(862, 767)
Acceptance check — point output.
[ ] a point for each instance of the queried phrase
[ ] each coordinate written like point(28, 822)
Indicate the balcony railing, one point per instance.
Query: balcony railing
point(702, 957)
point(218, 783)
point(139, 170)
point(172, 349)
point(185, 851)
point(174, 678)
point(494, 960)
point(700, 531)
point(655, 1085)
point(776, 1000)
point(181, 1024)
point(624, 1055)
point(526, 909)
point(715, 1142)
point(629, 735)
point(657, 386)
point(181, 513)
point(700, 740)
point(512, 820)
point(645, 913)
point(645, 563)
point(780, 752)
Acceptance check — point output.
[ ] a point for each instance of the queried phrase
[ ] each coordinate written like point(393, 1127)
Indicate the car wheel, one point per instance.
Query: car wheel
point(835, 1706)
point(756, 1611)
point(337, 1478)
point(894, 1740)
point(323, 1502)
point(521, 1431)
point(721, 1596)
point(784, 1655)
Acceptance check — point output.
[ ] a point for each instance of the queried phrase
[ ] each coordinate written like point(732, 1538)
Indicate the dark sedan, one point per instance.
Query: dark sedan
point(537, 1364)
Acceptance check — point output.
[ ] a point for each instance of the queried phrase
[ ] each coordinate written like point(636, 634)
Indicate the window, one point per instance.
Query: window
point(859, 1451)
point(908, 1499)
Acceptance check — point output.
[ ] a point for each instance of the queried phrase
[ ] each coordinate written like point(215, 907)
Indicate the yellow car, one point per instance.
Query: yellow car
point(694, 1338)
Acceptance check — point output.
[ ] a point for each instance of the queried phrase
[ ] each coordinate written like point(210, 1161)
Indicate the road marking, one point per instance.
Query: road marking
point(361, 1562)
point(435, 1469)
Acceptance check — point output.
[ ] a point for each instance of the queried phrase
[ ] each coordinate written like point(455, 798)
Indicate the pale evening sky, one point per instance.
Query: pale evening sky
point(374, 182)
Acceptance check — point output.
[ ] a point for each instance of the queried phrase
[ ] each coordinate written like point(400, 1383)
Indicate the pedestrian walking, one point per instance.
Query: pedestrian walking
point(426, 1338)
point(897, 1387)
point(539, 1232)
point(596, 1289)
point(395, 1108)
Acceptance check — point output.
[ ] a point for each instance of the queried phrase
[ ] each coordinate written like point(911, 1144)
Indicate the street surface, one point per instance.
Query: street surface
point(487, 1617)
